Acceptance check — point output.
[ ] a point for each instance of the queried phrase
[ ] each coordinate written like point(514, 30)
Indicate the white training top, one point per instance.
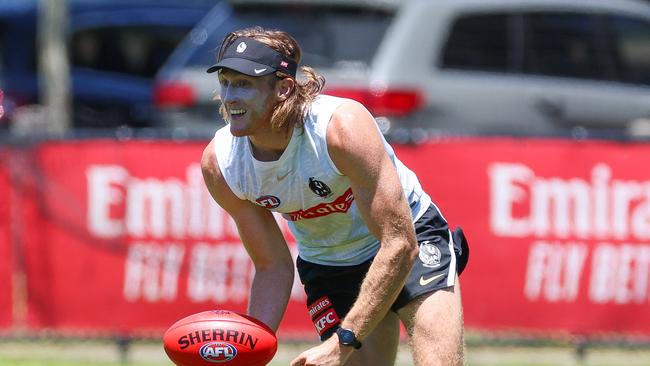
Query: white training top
point(309, 191)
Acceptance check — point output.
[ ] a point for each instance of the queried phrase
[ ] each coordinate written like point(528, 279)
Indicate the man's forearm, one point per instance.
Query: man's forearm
point(380, 288)
point(269, 295)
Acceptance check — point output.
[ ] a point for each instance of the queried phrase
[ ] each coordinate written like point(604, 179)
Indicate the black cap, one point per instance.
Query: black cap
point(254, 58)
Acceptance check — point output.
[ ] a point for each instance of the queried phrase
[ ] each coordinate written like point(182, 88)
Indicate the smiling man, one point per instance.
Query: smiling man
point(373, 249)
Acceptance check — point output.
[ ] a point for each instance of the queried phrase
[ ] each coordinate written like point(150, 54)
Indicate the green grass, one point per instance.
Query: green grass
point(96, 353)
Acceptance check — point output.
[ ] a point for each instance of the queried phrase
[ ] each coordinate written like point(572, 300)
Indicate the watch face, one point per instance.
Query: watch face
point(347, 338)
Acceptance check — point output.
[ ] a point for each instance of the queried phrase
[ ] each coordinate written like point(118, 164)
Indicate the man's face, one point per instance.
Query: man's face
point(248, 101)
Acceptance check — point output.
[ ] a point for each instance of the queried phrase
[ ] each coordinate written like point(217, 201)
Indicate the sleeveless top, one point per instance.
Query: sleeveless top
point(307, 189)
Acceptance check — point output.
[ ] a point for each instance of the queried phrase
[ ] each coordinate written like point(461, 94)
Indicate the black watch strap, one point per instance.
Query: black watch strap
point(348, 338)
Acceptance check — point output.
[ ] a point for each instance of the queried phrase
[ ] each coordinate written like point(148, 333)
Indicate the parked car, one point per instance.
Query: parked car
point(338, 37)
point(474, 66)
point(116, 48)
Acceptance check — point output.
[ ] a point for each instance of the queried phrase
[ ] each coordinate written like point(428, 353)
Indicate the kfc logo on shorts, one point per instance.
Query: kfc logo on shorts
point(268, 201)
point(326, 321)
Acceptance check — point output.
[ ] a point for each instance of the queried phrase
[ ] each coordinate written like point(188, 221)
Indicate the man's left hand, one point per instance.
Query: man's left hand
point(329, 353)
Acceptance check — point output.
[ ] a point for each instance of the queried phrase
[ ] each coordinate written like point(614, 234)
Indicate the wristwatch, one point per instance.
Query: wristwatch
point(347, 338)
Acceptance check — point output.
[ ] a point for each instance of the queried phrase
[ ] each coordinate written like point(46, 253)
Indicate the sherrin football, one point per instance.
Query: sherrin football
point(220, 336)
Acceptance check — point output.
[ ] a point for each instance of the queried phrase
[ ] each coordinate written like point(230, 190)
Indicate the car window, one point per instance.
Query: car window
point(562, 44)
point(478, 42)
point(327, 35)
point(14, 35)
point(632, 48)
point(3, 36)
point(135, 51)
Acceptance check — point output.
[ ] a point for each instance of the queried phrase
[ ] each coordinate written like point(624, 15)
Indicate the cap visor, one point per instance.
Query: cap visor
point(243, 66)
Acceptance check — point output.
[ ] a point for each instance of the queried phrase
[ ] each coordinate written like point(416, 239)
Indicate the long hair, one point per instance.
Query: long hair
point(294, 109)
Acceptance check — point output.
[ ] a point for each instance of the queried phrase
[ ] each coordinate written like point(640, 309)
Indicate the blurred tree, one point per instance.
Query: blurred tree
point(53, 64)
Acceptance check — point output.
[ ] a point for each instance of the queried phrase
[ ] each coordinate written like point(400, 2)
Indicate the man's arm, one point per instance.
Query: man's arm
point(263, 241)
point(356, 148)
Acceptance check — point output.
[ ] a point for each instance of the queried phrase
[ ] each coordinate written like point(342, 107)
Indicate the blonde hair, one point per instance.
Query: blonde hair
point(294, 109)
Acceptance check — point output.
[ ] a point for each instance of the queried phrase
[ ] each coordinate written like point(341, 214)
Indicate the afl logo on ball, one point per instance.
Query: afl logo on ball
point(218, 352)
point(319, 187)
point(268, 201)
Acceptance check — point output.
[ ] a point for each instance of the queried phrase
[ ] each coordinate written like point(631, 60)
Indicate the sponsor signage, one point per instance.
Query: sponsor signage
point(326, 321)
point(559, 231)
point(6, 243)
point(133, 240)
point(123, 236)
point(323, 315)
point(341, 205)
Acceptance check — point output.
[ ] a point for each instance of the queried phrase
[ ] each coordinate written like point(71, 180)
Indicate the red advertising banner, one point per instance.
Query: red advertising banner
point(6, 288)
point(559, 231)
point(122, 235)
point(128, 238)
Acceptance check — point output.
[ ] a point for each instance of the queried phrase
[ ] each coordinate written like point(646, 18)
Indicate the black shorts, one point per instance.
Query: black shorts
point(332, 290)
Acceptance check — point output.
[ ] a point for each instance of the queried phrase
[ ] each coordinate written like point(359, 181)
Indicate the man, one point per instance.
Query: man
point(357, 213)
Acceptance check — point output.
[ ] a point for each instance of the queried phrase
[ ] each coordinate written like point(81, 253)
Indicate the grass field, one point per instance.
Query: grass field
point(94, 353)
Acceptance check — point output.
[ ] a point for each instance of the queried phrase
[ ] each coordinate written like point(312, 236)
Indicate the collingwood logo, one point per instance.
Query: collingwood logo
point(319, 187)
point(429, 254)
point(241, 47)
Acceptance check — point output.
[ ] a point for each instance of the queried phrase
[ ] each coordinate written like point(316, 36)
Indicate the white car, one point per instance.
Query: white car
point(459, 66)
